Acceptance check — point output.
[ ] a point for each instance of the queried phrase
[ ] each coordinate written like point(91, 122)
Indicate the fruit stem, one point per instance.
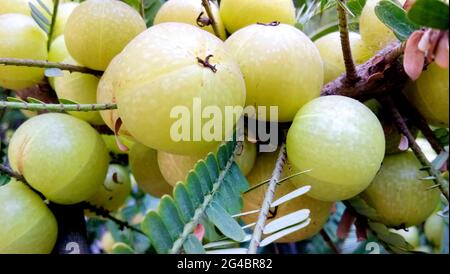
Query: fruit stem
point(270, 193)
point(403, 128)
point(52, 24)
point(207, 7)
point(11, 173)
point(351, 75)
point(56, 107)
point(46, 64)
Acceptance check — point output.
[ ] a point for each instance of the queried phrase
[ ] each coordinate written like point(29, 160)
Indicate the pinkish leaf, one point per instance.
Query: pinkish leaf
point(345, 224)
point(199, 232)
point(117, 127)
point(408, 4)
point(414, 58)
point(404, 144)
point(441, 54)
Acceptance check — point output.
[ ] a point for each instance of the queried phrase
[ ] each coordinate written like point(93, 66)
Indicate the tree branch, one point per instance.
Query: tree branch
point(106, 214)
point(403, 128)
point(270, 193)
point(46, 64)
point(207, 6)
point(351, 75)
point(328, 241)
point(56, 107)
point(380, 75)
point(11, 173)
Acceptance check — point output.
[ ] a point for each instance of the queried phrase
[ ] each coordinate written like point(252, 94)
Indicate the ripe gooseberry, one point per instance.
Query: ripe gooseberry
point(59, 155)
point(262, 171)
point(434, 230)
point(144, 166)
point(25, 40)
point(114, 191)
point(106, 26)
point(341, 142)
point(23, 6)
point(281, 65)
point(161, 75)
point(64, 11)
point(187, 11)
point(398, 193)
point(237, 14)
point(430, 95)
point(28, 226)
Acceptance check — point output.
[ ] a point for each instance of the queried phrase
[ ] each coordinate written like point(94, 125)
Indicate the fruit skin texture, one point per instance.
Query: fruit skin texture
point(281, 66)
point(373, 32)
point(341, 141)
point(80, 88)
point(60, 156)
point(434, 230)
point(411, 235)
point(21, 38)
point(106, 26)
point(175, 168)
point(187, 11)
point(237, 14)
point(114, 191)
point(319, 211)
point(399, 195)
point(64, 11)
point(329, 47)
point(28, 226)
point(168, 75)
point(430, 95)
point(144, 166)
point(22, 6)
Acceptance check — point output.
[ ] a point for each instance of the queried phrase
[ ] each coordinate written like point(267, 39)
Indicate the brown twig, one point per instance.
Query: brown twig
point(351, 75)
point(11, 173)
point(380, 75)
point(403, 128)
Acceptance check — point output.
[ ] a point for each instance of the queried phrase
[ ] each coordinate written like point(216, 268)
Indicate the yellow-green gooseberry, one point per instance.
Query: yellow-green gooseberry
point(23, 6)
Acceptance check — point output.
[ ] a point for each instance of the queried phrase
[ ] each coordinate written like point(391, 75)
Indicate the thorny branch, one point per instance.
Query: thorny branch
point(46, 64)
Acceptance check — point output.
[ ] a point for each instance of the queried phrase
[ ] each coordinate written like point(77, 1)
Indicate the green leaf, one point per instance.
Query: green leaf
point(39, 18)
point(213, 168)
point(203, 175)
point(193, 246)
point(122, 248)
point(154, 227)
point(443, 135)
point(196, 188)
point(238, 179)
point(228, 199)
point(14, 99)
point(34, 100)
point(394, 17)
point(47, 10)
point(151, 7)
point(356, 6)
point(184, 203)
point(67, 101)
point(222, 156)
point(430, 13)
point(170, 217)
point(224, 222)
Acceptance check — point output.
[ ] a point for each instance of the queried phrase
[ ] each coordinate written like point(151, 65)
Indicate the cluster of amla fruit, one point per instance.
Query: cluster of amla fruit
point(266, 61)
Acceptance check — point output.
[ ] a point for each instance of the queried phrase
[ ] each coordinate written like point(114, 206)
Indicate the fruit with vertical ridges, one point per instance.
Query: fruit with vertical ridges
point(398, 193)
point(59, 155)
point(106, 26)
point(237, 14)
point(430, 95)
point(262, 171)
point(24, 40)
point(112, 194)
point(281, 66)
point(144, 166)
point(187, 11)
point(160, 79)
point(341, 141)
point(28, 226)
